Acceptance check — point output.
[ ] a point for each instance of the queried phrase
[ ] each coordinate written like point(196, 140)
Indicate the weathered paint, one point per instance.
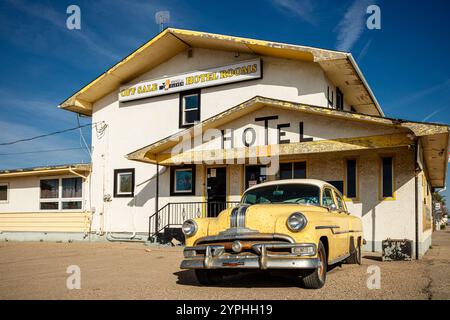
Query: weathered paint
point(291, 149)
point(271, 218)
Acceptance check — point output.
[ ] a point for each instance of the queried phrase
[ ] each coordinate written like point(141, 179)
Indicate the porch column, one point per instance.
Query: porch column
point(157, 199)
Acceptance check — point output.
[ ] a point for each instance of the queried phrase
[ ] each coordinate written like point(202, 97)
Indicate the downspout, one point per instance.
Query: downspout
point(416, 191)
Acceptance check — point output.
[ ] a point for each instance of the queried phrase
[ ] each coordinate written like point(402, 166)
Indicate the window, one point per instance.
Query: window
point(387, 177)
point(124, 183)
point(339, 99)
point(283, 193)
point(3, 192)
point(189, 108)
point(71, 193)
point(338, 184)
point(330, 97)
point(327, 198)
point(292, 170)
point(182, 180)
point(351, 172)
point(254, 175)
point(340, 202)
point(61, 194)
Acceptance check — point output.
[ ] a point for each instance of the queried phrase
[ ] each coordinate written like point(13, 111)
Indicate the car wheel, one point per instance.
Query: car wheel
point(316, 279)
point(208, 277)
point(355, 257)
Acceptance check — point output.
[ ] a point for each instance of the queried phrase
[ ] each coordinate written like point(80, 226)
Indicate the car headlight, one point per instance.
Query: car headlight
point(296, 222)
point(189, 227)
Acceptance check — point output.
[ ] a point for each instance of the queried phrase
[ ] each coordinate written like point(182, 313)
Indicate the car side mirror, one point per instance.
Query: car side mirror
point(333, 207)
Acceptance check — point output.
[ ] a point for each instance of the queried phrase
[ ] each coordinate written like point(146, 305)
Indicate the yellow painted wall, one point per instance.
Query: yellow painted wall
point(46, 222)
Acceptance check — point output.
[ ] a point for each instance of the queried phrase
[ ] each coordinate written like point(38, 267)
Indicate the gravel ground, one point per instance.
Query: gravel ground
point(134, 271)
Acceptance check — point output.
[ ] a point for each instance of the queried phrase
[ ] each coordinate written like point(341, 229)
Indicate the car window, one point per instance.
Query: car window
point(340, 202)
point(327, 198)
point(283, 193)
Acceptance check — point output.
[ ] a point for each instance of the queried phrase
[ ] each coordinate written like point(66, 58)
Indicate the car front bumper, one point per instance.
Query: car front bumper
point(215, 257)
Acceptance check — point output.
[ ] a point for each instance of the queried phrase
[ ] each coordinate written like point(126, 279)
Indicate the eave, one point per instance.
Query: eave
point(338, 66)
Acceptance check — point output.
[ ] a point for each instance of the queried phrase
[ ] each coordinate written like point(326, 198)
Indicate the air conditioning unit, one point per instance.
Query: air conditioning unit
point(397, 249)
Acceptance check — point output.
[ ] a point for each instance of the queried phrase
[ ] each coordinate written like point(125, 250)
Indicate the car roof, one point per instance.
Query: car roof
point(315, 182)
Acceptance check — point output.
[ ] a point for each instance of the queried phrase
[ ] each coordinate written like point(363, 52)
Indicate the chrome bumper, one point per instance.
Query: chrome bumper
point(216, 258)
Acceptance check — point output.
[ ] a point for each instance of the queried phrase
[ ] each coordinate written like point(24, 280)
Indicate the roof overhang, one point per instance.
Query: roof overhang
point(338, 66)
point(76, 169)
point(434, 137)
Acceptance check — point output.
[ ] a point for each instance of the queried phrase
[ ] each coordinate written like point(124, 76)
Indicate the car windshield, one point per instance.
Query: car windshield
point(283, 193)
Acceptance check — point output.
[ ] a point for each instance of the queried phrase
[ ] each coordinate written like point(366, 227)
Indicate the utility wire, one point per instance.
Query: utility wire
point(44, 135)
point(40, 151)
point(51, 134)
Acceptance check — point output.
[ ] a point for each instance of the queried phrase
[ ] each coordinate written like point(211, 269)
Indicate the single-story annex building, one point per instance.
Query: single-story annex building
point(183, 125)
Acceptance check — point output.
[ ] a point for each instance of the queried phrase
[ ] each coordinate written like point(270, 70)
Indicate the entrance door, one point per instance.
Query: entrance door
point(216, 189)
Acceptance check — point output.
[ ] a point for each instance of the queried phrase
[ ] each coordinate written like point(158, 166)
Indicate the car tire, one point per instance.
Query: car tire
point(208, 277)
point(355, 257)
point(316, 279)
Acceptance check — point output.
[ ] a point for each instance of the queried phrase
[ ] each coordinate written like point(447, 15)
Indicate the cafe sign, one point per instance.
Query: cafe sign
point(245, 70)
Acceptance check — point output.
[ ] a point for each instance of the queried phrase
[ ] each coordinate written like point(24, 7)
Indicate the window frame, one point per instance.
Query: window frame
point(117, 172)
point(380, 178)
point(330, 101)
point(332, 197)
point(292, 164)
point(182, 111)
point(339, 99)
point(356, 197)
point(7, 192)
point(173, 170)
point(60, 198)
point(337, 195)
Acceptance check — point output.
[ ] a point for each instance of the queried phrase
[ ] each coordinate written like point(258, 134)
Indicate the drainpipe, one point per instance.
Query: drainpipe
point(416, 191)
point(72, 171)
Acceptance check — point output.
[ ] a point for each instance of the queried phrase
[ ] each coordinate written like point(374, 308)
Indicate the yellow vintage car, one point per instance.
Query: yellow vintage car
point(300, 225)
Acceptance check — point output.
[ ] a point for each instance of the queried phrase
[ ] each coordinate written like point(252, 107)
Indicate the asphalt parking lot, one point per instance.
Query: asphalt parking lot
point(30, 270)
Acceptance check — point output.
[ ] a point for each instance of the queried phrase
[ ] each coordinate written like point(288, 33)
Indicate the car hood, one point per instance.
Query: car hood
point(264, 218)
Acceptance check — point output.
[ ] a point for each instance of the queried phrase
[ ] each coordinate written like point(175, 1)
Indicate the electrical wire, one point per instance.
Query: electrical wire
point(44, 135)
point(82, 138)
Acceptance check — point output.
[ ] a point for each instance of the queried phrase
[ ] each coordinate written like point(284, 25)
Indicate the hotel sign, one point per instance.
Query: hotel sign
point(245, 70)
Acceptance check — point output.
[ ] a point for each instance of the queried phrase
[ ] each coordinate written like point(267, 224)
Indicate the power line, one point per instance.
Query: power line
point(39, 151)
point(44, 135)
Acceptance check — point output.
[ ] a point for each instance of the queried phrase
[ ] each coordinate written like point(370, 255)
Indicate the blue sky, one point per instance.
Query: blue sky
point(406, 62)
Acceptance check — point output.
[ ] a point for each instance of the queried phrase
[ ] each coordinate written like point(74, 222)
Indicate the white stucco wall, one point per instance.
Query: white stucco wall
point(134, 124)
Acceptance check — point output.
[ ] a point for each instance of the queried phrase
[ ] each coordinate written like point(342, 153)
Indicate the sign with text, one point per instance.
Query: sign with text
point(245, 70)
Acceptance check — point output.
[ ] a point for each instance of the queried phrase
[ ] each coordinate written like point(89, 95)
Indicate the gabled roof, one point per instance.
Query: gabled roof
point(340, 67)
point(434, 137)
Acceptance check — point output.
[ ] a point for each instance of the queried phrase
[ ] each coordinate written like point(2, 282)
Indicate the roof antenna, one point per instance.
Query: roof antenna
point(162, 17)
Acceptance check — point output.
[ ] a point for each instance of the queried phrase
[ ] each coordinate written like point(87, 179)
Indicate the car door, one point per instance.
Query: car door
point(338, 223)
point(345, 222)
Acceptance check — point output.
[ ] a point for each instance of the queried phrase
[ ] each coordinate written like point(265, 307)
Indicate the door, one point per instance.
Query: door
point(216, 189)
point(338, 220)
point(253, 176)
